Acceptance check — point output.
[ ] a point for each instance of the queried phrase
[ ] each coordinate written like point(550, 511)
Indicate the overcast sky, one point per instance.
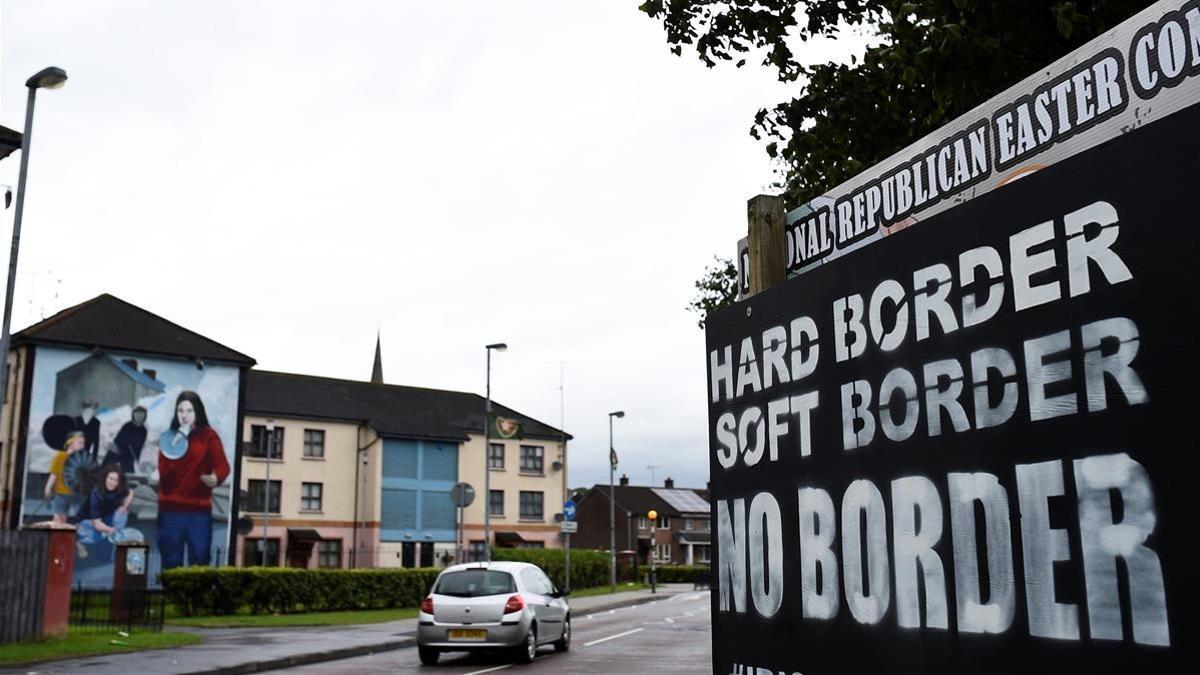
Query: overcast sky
point(288, 177)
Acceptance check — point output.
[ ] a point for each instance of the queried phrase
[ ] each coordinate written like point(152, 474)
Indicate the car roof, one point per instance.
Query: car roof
point(497, 565)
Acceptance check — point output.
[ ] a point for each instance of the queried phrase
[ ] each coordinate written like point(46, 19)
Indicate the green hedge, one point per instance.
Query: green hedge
point(588, 568)
point(682, 574)
point(226, 590)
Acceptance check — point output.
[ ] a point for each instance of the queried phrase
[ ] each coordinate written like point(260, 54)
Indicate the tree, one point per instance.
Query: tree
point(716, 289)
point(930, 61)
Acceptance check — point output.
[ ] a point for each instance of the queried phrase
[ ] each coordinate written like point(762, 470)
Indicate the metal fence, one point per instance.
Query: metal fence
point(106, 611)
point(22, 583)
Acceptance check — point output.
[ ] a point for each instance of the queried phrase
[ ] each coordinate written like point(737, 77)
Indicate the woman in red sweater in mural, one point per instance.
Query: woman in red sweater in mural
point(191, 462)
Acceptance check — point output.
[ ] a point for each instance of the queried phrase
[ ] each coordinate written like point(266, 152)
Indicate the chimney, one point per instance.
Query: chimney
point(624, 480)
point(151, 373)
point(132, 363)
point(669, 483)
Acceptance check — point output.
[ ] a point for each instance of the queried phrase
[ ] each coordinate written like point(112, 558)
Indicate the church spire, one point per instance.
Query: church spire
point(377, 370)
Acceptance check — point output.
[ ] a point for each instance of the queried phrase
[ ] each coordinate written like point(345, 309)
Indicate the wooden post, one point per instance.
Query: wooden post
point(765, 218)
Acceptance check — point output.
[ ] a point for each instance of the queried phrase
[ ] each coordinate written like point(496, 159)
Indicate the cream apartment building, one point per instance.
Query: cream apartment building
point(362, 472)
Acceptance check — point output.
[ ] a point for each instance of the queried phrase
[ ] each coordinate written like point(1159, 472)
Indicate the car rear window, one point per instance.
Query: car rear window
point(475, 583)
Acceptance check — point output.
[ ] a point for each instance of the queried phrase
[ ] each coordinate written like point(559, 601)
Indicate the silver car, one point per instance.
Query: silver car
point(497, 605)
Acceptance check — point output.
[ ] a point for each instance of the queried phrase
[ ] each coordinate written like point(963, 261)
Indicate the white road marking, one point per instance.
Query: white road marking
point(489, 670)
point(669, 620)
point(606, 639)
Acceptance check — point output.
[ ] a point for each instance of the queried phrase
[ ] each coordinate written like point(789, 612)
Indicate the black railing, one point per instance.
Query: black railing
point(106, 611)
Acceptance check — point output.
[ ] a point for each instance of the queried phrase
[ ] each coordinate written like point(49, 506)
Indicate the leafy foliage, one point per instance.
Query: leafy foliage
point(716, 289)
point(683, 574)
point(588, 568)
point(929, 62)
point(225, 590)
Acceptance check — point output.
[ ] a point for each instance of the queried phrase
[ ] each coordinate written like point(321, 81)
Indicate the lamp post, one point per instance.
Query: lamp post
point(487, 464)
point(612, 504)
point(653, 516)
point(269, 434)
point(48, 78)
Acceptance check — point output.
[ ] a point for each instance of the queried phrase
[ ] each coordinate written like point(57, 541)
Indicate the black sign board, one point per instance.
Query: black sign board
point(967, 448)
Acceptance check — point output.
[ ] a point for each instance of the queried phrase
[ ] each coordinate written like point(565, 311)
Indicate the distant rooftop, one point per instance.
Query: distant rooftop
point(392, 410)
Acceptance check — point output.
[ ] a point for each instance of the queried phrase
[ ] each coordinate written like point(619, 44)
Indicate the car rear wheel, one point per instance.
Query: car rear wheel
point(564, 643)
point(429, 655)
point(528, 650)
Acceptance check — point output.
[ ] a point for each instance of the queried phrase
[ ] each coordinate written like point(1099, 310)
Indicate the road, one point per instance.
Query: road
point(667, 636)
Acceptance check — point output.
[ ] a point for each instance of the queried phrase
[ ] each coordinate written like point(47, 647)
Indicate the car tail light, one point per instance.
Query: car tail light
point(427, 605)
point(514, 604)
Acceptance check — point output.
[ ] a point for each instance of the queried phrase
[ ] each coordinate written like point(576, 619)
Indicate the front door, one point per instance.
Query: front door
point(299, 554)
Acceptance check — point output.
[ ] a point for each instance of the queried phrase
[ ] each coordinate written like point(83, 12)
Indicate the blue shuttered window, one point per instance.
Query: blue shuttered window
point(437, 511)
point(440, 461)
point(399, 509)
point(400, 459)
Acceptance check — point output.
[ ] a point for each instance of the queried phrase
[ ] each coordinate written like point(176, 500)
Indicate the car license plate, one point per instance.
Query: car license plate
point(467, 634)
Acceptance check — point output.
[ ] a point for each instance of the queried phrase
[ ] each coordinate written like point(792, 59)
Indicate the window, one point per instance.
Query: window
point(475, 583)
point(256, 497)
point(259, 438)
point(664, 522)
point(532, 544)
point(496, 502)
point(252, 554)
point(310, 496)
point(532, 458)
point(702, 554)
point(476, 550)
point(662, 553)
point(643, 523)
point(329, 553)
point(687, 524)
point(702, 524)
point(495, 455)
point(314, 443)
point(531, 505)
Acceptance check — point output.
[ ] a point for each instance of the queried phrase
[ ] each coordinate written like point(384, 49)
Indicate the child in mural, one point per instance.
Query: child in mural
point(104, 518)
point(89, 424)
point(127, 446)
point(60, 434)
point(191, 462)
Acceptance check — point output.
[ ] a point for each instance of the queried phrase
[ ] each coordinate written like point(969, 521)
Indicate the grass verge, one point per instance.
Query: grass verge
point(90, 645)
point(298, 619)
point(605, 590)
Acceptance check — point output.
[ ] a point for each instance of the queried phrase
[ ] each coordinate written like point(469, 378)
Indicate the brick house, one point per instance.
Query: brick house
point(683, 535)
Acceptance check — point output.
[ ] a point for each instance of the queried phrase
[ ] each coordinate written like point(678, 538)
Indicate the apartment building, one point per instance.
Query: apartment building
point(361, 474)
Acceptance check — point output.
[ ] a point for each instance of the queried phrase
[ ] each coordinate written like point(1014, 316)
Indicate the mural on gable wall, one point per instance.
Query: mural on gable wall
point(130, 447)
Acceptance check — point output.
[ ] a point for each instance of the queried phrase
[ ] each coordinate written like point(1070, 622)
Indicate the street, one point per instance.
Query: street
point(671, 635)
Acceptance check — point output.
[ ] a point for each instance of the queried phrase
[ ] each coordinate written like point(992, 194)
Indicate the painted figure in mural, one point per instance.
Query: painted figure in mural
point(105, 515)
point(127, 446)
point(59, 432)
point(89, 424)
point(191, 462)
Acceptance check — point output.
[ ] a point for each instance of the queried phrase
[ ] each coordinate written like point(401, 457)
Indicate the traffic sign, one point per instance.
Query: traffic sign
point(462, 494)
point(569, 510)
point(569, 527)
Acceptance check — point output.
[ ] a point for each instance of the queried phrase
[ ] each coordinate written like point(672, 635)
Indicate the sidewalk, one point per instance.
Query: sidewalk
point(227, 651)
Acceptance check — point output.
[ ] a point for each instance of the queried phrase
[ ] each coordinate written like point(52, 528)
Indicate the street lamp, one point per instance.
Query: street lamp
point(49, 78)
point(653, 516)
point(487, 444)
point(268, 436)
point(612, 502)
